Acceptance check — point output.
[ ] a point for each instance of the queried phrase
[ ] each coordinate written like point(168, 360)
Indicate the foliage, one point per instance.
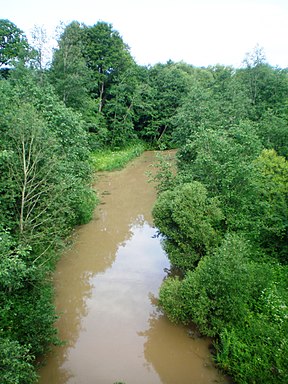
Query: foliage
point(237, 292)
point(217, 291)
point(215, 101)
point(95, 74)
point(188, 219)
point(273, 185)
point(273, 132)
point(48, 163)
point(119, 108)
point(164, 177)
point(41, 49)
point(222, 161)
point(169, 83)
point(69, 73)
point(267, 87)
point(13, 43)
point(29, 316)
point(16, 363)
point(223, 214)
point(109, 160)
point(107, 56)
point(45, 191)
point(232, 296)
point(15, 268)
point(26, 311)
point(257, 352)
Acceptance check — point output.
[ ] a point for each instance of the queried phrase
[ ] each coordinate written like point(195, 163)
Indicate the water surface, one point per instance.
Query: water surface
point(107, 285)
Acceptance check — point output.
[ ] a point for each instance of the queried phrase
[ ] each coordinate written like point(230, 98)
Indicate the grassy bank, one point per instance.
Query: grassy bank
point(108, 160)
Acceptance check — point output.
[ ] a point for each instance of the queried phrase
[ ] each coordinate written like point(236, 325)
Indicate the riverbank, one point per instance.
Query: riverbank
point(109, 160)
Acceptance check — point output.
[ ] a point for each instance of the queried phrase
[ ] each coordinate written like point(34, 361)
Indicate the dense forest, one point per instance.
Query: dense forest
point(222, 215)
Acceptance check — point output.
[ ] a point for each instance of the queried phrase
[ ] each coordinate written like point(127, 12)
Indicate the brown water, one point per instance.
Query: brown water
point(106, 291)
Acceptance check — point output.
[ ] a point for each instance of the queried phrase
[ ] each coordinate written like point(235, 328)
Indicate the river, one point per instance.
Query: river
point(106, 287)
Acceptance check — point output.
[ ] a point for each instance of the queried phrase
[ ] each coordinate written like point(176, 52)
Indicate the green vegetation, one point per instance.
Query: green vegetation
point(13, 43)
point(45, 189)
point(223, 214)
point(189, 220)
point(233, 282)
point(108, 159)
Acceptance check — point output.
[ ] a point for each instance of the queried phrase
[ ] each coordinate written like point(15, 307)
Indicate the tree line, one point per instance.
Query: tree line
point(223, 216)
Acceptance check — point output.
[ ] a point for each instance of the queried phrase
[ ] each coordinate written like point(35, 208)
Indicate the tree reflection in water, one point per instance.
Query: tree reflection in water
point(176, 357)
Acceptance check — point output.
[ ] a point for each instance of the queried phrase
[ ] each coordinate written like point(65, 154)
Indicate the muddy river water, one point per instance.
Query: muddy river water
point(106, 286)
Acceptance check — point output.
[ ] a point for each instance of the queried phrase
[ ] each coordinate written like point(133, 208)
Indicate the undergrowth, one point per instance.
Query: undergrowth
point(108, 160)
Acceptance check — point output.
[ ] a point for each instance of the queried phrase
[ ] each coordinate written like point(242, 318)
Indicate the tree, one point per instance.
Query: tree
point(33, 166)
point(169, 83)
point(16, 363)
point(267, 86)
point(240, 301)
point(13, 43)
point(273, 132)
point(254, 61)
point(40, 45)
point(45, 162)
point(69, 73)
point(44, 192)
point(119, 108)
point(34, 172)
point(236, 290)
point(272, 181)
point(222, 161)
point(216, 100)
point(107, 56)
point(189, 222)
point(143, 105)
point(215, 293)
point(94, 74)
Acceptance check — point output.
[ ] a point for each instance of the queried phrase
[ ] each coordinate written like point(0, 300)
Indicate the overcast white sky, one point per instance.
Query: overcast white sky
point(199, 32)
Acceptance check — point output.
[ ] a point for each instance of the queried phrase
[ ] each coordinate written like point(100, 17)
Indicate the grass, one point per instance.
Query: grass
point(109, 160)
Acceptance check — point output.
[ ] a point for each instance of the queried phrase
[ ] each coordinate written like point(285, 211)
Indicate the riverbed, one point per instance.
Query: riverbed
point(107, 286)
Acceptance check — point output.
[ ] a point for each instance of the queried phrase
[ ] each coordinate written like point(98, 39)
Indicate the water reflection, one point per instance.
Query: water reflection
point(175, 356)
point(126, 204)
point(122, 306)
point(107, 346)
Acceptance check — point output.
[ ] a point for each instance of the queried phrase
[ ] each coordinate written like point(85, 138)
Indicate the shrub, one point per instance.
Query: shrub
point(16, 363)
point(189, 221)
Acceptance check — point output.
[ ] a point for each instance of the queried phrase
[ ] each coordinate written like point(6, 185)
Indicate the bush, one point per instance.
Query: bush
point(189, 221)
point(241, 302)
point(16, 363)
point(28, 316)
point(83, 202)
point(255, 353)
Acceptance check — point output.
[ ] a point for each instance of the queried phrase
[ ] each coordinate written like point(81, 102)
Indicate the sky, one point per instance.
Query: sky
point(198, 32)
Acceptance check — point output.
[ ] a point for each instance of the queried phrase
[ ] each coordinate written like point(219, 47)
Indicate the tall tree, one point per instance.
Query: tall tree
point(44, 153)
point(69, 73)
point(222, 161)
point(170, 83)
point(40, 45)
point(120, 107)
point(13, 43)
point(267, 86)
point(107, 56)
point(272, 181)
point(216, 100)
